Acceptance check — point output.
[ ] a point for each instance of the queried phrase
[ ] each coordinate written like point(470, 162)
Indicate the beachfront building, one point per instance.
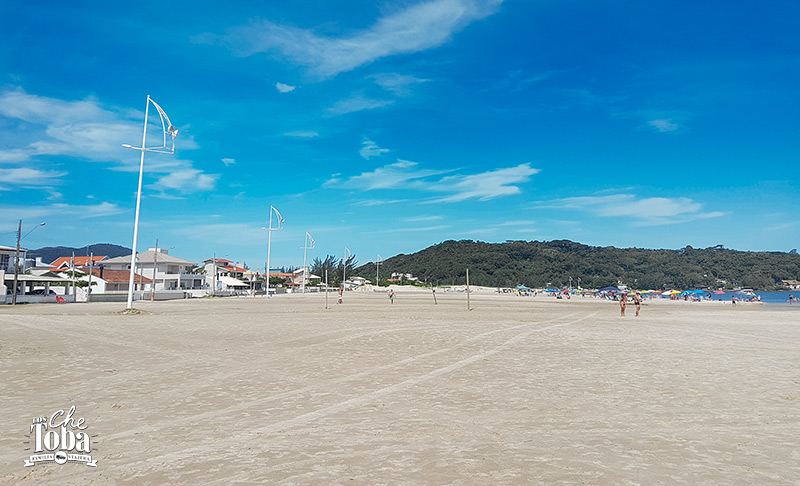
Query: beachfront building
point(168, 272)
point(7, 258)
point(304, 276)
point(791, 284)
point(223, 275)
point(106, 281)
point(67, 262)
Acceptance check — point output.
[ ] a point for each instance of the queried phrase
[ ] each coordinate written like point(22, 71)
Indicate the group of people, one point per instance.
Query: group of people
point(623, 301)
point(391, 296)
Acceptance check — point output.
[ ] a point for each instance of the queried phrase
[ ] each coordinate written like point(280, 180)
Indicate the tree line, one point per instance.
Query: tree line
point(553, 263)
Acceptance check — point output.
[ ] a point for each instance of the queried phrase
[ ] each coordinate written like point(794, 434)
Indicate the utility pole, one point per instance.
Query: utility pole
point(16, 265)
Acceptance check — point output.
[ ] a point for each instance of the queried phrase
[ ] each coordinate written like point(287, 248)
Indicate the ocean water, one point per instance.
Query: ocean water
point(766, 297)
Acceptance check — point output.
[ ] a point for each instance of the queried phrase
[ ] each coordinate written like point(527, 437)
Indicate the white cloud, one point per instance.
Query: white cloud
point(228, 162)
point(486, 185)
point(371, 149)
point(401, 174)
point(355, 103)
point(84, 129)
point(57, 211)
point(399, 84)
point(187, 181)
point(653, 211)
point(663, 125)
point(302, 134)
point(284, 88)
point(416, 28)
point(25, 176)
point(405, 175)
point(419, 219)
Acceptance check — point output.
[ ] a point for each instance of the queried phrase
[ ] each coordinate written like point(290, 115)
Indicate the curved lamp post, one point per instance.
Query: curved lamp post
point(270, 229)
point(344, 268)
point(168, 129)
point(16, 259)
point(307, 245)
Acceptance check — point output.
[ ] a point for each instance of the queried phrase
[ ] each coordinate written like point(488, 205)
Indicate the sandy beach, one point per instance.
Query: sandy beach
point(516, 391)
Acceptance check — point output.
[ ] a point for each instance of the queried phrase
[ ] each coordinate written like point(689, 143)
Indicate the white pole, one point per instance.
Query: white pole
point(378, 262)
point(138, 203)
point(305, 250)
point(269, 246)
point(91, 269)
point(153, 285)
point(344, 269)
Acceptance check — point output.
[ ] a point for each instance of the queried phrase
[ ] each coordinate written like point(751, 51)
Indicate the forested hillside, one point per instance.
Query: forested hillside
point(546, 263)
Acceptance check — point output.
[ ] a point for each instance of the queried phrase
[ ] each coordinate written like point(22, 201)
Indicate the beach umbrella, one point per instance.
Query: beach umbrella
point(718, 292)
point(609, 289)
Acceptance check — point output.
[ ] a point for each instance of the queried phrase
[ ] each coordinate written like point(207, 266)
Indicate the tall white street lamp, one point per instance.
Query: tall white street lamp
point(16, 259)
point(168, 129)
point(308, 244)
point(270, 229)
point(344, 267)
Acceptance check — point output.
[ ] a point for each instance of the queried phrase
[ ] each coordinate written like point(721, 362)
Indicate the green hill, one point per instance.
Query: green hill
point(52, 253)
point(546, 263)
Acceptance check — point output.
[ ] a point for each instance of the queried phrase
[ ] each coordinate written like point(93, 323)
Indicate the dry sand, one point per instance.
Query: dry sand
point(517, 391)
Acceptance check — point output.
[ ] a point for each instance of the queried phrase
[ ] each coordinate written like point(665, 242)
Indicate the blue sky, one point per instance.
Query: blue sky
point(388, 127)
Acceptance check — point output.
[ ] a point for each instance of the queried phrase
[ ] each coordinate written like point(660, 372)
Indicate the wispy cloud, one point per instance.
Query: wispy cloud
point(24, 176)
point(56, 210)
point(228, 162)
point(186, 181)
point(302, 134)
point(653, 211)
point(413, 29)
point(357, 102)
point(284, 88)
point(663, 125)
point(486, 185)
point(371, 149)
point(408, 176)
point(416, 229)
point(399, 84)
point(419, 219)
point(402, 173)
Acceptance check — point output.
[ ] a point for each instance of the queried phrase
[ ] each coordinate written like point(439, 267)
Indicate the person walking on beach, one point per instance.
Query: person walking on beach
point(391, 296)
point(637, 299)
point(622, 298)
point(791, 299)
point(340, 297)
point(733, 300)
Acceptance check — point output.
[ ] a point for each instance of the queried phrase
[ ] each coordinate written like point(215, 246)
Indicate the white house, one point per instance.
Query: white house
point(7, 258)
point(168, 272)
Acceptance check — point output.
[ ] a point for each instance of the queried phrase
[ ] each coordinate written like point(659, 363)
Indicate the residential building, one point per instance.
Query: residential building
point(106, 281)
point(7, 255)
point(167, 271)
point(65, 262)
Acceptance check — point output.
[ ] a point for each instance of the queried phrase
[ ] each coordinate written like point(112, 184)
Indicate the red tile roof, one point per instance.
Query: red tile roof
point(119, 276)
point(80, 261)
